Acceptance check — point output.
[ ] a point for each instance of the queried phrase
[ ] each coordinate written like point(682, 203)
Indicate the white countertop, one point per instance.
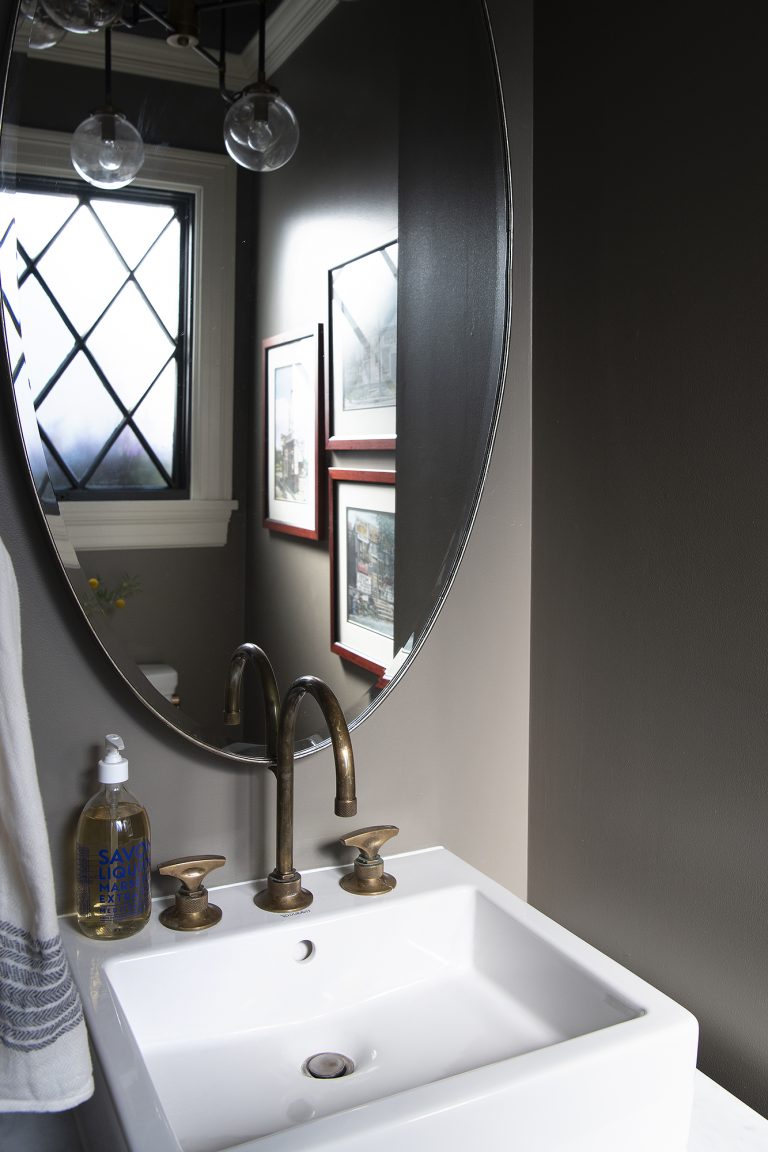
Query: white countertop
point(721, 1123)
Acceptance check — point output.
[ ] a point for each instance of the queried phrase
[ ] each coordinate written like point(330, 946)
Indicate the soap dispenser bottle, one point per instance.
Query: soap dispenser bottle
point(112, 855)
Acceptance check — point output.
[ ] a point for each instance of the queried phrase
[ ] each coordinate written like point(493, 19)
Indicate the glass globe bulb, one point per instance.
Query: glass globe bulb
point(83, 16)
point(261, 131)
point(44, 33)
point(107, 150)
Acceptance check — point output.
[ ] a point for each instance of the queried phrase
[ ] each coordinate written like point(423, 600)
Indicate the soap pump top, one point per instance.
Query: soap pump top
point(113, 768)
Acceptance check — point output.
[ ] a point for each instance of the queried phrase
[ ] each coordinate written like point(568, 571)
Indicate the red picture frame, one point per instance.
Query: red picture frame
point(292, 389)
point(361, 528)
point(361, 399)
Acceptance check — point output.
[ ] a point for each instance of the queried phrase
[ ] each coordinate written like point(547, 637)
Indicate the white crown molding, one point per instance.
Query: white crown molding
point(289, 27)
point(140, 56)
point(136, 55)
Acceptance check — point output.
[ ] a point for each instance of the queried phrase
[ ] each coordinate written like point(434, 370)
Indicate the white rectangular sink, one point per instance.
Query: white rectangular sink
point(466, 1018)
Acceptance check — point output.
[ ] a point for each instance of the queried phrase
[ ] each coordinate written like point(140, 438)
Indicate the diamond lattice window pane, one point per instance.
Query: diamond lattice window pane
point(47, 340)
point(127, 465)
point(159, 276)
point(133, 227)
point(79, 392)
point(84, 293)
point(130, 346)
point(103, 280)
point(39, 217)
point(156, 417)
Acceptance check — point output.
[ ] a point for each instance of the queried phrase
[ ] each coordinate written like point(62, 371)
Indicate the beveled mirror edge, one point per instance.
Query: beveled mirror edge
point(131, 675)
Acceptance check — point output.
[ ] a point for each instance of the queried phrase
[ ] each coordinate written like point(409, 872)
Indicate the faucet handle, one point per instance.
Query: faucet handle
point(191, 912)
point(370, 840)
point(369, 877)
point(191, 870)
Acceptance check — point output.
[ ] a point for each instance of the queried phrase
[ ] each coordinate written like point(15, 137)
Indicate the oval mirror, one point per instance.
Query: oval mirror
point(257, 406)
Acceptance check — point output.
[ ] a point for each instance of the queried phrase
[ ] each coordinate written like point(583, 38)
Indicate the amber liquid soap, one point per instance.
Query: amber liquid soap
point(112, 857)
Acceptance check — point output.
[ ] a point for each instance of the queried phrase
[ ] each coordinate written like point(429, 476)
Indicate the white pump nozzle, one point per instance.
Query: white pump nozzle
point(113, 769)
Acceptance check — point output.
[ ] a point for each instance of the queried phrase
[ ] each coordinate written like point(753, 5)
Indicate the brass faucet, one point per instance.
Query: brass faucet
point(284, 892)
point(240, 657)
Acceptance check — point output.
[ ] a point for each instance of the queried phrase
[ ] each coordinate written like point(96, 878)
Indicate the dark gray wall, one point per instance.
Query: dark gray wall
point(452, 305)
point(649, 745)
point(188, 613)
point(185, 116)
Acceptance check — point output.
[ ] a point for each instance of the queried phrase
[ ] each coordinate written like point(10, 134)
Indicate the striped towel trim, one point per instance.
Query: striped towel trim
point(38, 998)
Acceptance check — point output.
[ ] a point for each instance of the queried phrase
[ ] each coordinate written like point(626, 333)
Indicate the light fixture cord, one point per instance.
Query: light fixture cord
point(223, 54)
point(262, 42)
point(108, 68)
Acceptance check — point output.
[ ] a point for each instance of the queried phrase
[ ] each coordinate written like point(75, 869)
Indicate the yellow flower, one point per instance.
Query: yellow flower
point(93, 582)
point(119, 602)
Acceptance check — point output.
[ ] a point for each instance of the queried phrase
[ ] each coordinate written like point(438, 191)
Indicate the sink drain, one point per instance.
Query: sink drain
point(328, 1066)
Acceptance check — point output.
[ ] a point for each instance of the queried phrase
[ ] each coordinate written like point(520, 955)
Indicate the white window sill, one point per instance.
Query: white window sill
point(95, 526)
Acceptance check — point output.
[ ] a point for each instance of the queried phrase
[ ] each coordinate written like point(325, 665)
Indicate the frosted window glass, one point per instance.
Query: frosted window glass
point(83, 270)
point(133, 227)
point(155, 417)
point(78, 416)
point(158, 275)
point(130, 346)
point(127, 465)
point(107, 293)
point(39, 217)
point(47, 340)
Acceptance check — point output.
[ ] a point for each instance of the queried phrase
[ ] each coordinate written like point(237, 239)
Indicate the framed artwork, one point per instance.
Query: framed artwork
point(362, 547)
point(361, 402)
point(292, 375)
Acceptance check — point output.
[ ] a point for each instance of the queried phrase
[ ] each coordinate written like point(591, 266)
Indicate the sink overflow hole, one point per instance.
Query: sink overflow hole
point(328, 1066)
point(304, 950)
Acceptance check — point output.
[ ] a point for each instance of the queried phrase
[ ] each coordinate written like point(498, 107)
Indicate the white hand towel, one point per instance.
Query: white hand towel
point(45, 1064)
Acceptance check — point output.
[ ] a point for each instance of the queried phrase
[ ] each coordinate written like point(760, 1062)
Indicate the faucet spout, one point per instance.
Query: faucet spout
point(284, 892)
point(240, 657)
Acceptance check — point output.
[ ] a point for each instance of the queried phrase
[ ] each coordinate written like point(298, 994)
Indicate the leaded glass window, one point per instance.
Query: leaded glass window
point(104, 306)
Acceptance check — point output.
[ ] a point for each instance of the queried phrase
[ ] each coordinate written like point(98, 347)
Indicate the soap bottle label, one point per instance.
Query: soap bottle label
point(121, 880)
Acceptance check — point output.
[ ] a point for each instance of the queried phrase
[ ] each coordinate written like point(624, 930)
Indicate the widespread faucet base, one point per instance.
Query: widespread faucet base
point(361, 885)
point(283, 895)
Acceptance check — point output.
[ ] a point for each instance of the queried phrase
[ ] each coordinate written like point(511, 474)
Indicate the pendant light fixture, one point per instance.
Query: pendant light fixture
point(83, 16)
point(43, 32)
point(261, 131)
point(106, 149)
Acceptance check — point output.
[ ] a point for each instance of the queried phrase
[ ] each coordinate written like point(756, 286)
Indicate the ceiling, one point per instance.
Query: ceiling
point(241, 21)
point(141, 49)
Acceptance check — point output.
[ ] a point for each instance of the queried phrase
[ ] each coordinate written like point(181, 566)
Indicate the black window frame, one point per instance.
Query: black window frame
point(178, 479)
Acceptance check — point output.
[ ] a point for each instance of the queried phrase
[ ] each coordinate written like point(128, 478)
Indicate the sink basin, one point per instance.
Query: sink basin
point(458, 1016)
